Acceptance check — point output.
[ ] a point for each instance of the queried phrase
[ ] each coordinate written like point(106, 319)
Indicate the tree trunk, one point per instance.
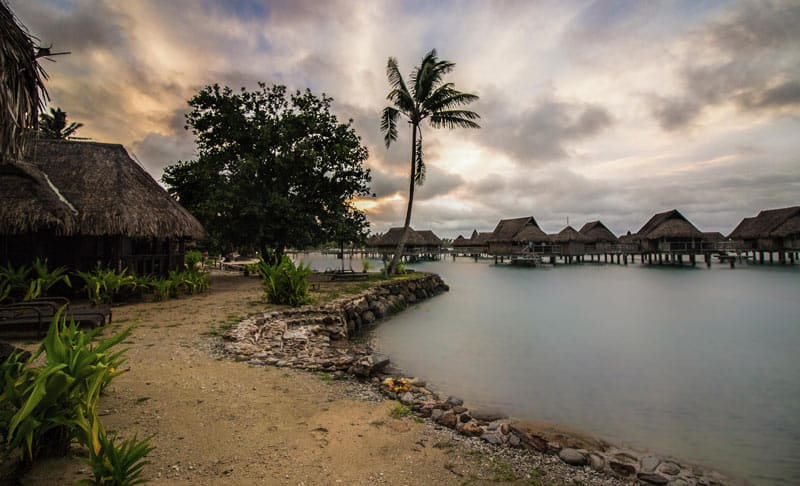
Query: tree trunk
point(398, 252)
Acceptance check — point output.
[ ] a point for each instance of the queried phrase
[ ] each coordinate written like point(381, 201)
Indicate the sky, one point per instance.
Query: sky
point(612, 110)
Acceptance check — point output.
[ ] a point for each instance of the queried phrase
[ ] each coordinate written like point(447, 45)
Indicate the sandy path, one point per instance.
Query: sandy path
point(217, 421)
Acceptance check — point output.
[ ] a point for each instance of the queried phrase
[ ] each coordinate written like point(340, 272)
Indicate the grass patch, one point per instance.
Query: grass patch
point(503, 472)
point(444, 444)
point(323, 376)
point(142, 399)
point(399, 411)
point(377, 423)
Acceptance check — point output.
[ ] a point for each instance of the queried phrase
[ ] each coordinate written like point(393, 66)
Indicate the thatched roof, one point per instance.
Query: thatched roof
point(415, 238)
point(507, 230)
point(567, 235)
point(714, 236)
point(769, 223)
point(477, 239)
point(596, 232)
point(88, 188)
point(669, 224)
point(430, 238)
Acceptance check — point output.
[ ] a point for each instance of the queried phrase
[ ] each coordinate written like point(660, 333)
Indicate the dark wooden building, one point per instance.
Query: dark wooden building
point(422, 243)
point(771, 231)
point(670, 232)
point(84, 203)
point(571, 243)
point(599, 239)
point(515, 236)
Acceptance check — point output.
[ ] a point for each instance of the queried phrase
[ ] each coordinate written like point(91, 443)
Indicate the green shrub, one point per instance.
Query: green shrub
point(16, 280)
point(102, 285)
point(45, 279)
point(366, 265)
point(285, 283)
point(193, 260)
point(113, 463)
point(44, 408)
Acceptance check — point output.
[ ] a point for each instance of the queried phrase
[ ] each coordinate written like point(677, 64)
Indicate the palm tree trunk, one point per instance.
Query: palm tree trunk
point(398, 252)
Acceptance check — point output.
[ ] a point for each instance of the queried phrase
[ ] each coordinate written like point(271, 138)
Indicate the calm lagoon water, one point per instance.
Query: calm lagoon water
point(697, 363)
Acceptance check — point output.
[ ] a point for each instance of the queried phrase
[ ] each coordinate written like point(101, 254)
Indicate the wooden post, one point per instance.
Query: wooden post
point(707, 257)
point(692, 260)
point(761, 257)
point(771, 259)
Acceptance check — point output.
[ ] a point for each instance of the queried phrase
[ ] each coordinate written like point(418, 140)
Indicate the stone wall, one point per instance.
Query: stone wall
point(316, 338)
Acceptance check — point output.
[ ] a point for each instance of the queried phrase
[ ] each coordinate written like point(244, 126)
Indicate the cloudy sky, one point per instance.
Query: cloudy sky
point(610, 110)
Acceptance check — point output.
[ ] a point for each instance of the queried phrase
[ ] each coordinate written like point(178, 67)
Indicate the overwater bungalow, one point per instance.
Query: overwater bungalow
point(514, 236)
point(670, 231)
point(83, 203)
point(600, 239)
point(571, 243)
point(476, 244)
point(419, 244)
point(771, 231)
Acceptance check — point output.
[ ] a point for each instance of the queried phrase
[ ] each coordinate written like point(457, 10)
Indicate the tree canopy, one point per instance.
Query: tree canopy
point(54, 125)
point(273, 170)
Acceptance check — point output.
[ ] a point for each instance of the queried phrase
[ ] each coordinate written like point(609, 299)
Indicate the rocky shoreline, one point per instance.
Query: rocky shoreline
point(320, 339)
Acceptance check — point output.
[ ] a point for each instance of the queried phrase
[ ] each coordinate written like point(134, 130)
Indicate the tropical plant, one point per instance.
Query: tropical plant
point(161, 288)
point(16, 279)
point(428, 97)
point(45, 279)
point(285, 283)
point(193, 260)
point(115, 463)
point(102, 285)
point(44, 408)
point(22, 90)
point(5, 291)
point(365, 265)
point(54, 125)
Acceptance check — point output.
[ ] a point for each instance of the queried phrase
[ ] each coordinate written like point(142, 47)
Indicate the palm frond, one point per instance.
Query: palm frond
point(395, 77)
point(402, 100)
point(446, 97)
point(454, 119)
point(389, 125)
point(22, 91)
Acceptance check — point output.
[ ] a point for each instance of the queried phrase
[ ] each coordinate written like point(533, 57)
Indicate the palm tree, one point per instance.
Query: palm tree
point(22, 90)
point(428, 97)
point(54, 125)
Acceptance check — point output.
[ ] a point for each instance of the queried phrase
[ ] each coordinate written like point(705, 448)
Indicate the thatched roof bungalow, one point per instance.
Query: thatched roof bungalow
point(570, 241)
point(80, 203)
point(418, 242)
point(599, 237)
point(771, 230)
point(476, 244)
point(511, 236)
point(669, 231)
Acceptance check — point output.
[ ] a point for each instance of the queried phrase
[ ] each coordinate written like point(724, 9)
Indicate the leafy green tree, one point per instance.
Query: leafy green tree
point(54, 125)
point(428, 97)
point(273, 170)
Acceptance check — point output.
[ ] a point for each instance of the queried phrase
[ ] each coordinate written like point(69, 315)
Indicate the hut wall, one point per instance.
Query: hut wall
point(572, 248)
point(501, 248)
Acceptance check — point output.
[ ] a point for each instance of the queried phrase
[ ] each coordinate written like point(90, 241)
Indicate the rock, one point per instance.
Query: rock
point(436, 414)
point(448, 419)
point(368, 317)
point(417, 382)
point(622, 468)
point(379, 362)
point(514, 441)
point(669, 468)
point(473, 429)
point(407, 398)
point(488, 415)
point(454, 401)
point(529, 441)
point(650, 463)
point(492, 438)
point(573, 457)
point(459, 409)
point(554, 447)
point(597, 462)
point(464, 417)
point(652, 478)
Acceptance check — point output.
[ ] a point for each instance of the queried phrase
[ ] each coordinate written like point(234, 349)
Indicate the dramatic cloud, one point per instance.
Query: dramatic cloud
point(541, 133)
point(611, 110)
point(749, 59)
